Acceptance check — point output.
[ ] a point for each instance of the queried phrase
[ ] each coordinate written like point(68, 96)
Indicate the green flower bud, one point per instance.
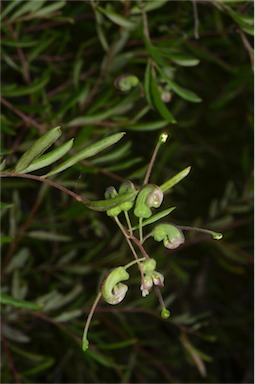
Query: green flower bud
point(171, 235)
point(113, 291)
point(149, 196)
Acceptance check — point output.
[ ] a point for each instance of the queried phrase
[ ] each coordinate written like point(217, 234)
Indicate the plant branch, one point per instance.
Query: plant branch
point(43, 180)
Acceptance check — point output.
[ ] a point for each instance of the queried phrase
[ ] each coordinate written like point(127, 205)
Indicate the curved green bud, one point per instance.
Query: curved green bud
point(113, 291)
point(149, 196)
point(171, 235)
point(125, 188)
point(111, 193)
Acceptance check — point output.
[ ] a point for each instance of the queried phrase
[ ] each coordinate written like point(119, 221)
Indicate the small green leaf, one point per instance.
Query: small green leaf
point(175, 179)
point(36, 149)
point(156, 217)
point(159, 104)
point(90, 151)
point(152, 126)
point(49, 158)
point(117, 19)
point(10, 300)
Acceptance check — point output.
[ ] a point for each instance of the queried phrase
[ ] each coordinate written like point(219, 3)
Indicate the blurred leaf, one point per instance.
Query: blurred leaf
point(149, 6)
point(48, 236)
point(14, 90)
point(9, 300)
point(193, 352)
point(115, 18)
point(67, 316)
point(46, 11)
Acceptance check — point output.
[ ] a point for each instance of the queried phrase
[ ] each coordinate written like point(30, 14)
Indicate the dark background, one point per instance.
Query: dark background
point(54, 69)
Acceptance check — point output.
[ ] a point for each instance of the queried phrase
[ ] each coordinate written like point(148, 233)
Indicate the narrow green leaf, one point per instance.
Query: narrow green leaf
point(90, 151)
point(28, 7)
point(36, 149)
point(156, 217)
point(6, 205)
point(175, 180)
point(159, 104)
point(147, 84)
point(10, 300)
point(155, 54)
point(152, 126)
point(184, 61)
point(49, 158)
point(117, 19)
point(86, 120)
point(48, 236)
point(104, 205)
point(14, 90)
point(182, 92)
point(49, 9)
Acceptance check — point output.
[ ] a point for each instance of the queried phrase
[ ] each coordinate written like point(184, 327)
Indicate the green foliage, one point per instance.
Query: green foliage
point(98, 69)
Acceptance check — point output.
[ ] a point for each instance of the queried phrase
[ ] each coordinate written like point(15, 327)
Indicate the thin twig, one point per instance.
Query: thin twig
point(10, 361)
point(196, 19)
point(43, 180)
point(27, 119)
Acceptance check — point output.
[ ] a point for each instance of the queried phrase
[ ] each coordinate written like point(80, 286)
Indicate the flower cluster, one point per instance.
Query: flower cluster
point(151, 276)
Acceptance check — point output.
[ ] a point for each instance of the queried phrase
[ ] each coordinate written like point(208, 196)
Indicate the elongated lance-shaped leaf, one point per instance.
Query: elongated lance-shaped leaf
point(90, 151)
point(155, 218)
point(175, 179)
point(49, 158)
point(158, 103)
point(38, 148)
point(10, 300)
point(104, 205)
point(147, 84)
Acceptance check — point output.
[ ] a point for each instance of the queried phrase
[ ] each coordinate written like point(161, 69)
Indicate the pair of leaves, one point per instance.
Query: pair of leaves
point(32, 159)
